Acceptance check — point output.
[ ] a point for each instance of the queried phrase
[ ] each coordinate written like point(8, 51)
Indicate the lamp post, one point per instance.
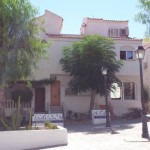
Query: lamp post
point(140, 52)
point(104, 73)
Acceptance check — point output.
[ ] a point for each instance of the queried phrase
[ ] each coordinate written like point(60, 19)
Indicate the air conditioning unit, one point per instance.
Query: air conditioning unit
point(124, 32)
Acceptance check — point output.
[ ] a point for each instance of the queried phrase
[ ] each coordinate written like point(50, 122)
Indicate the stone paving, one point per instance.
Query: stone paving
point(123, 135)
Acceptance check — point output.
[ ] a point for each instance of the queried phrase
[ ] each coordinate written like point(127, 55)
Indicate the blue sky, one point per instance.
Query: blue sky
point(73, 11)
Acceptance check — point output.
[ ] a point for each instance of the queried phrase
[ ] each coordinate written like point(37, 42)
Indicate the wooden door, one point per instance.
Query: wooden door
point(55, 93)
point(39, 100)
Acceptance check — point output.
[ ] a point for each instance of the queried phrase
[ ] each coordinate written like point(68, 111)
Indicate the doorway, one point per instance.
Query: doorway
point(39, 99)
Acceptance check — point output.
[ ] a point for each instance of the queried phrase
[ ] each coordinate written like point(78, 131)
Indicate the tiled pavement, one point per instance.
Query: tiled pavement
point(124, 135)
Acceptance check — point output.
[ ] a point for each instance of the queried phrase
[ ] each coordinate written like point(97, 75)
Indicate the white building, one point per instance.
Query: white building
point(146, 69)
point(126, 95)
point(146, 65)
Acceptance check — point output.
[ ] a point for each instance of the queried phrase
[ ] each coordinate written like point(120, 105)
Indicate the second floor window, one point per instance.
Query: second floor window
point(126, 55)
point(113, 33)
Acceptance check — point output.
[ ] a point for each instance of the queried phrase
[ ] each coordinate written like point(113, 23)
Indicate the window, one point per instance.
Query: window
point(69, 92)
point(129, 90)
point(87, 93)
point(116, 92)
point(126, 55)
point(125, 91)
point(113, 32)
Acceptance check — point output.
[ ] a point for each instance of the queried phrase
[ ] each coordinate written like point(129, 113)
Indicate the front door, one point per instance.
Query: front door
point(55, 93)
point(39, 99)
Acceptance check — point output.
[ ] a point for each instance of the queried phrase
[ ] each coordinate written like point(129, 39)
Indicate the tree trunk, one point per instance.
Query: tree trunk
point(93, 93)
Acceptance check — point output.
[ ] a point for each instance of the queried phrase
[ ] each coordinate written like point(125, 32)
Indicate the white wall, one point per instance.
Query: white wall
point(47, 98)
point(50, 22)
point(130, 67)
point(51, 66)
point(82, 103)
point(74, 103)
point(146, 70)
point(100, 26)
point(121, 106)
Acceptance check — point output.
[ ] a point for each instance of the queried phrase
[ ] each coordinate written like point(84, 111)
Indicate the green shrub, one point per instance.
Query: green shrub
point(132, 113)
point(14, 122)
point(25, 95)
point(50, 125)
point(54, 127)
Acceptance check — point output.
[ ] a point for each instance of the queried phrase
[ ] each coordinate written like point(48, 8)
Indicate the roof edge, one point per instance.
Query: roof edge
point(107, 20)
point(79, 36)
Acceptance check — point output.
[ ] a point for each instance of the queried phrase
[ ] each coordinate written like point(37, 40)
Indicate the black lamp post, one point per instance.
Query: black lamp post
point(140, 52)
point(104, 73)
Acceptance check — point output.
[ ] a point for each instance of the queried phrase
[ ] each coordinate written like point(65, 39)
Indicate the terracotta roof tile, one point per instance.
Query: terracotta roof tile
point(146, 45)
point(127, 39)
point(107, 20)
point(74, 36)
point(78, 36)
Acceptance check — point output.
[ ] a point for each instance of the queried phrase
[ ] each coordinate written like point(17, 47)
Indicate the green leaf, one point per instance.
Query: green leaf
point(83, 60)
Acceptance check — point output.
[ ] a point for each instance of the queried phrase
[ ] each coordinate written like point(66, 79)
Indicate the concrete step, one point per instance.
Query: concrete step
point(56, 109)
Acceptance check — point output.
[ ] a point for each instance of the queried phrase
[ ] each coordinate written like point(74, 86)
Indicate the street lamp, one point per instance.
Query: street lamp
point(104, 73)
point(140, 52)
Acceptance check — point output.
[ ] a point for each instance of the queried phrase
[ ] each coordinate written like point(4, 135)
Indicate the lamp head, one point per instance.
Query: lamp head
point(104, 71)
point(140, 52)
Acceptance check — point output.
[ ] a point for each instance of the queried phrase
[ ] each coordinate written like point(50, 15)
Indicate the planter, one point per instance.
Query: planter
point(31, 139)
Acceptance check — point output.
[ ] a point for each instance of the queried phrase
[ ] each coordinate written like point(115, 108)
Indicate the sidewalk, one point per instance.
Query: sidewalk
point(124, 135)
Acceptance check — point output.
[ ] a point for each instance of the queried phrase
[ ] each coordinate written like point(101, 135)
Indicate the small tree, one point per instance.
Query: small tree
point(84, 60)
point(21, 47)
point(144, 15)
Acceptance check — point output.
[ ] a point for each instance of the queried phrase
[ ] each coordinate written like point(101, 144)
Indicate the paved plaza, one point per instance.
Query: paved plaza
point(124, 135)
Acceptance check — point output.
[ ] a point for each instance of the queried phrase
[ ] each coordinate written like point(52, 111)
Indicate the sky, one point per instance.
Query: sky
point(73, 11)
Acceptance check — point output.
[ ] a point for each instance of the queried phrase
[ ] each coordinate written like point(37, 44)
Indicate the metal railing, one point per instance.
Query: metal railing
point(9, 106)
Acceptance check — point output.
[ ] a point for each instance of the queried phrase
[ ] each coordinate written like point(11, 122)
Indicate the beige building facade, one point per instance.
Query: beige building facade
point(57, 94)
point(127, 93)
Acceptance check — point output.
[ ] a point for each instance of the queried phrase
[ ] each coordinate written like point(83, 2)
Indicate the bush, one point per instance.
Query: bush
point(132, 113)
point(25, 95)
point(50, 125)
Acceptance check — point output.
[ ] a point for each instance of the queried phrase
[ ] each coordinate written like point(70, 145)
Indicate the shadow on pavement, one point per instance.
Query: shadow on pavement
point(89, 128)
